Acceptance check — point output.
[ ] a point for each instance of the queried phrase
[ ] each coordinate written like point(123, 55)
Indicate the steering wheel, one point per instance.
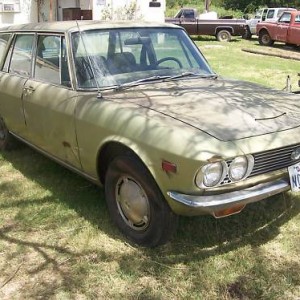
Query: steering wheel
point(167, 59)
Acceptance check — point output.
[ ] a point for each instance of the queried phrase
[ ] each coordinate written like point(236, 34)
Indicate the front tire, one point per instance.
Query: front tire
point(223, 36)
point(265, 39)
point(136, 204)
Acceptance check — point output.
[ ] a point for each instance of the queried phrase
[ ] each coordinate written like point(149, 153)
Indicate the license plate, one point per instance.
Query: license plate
point(294, 172)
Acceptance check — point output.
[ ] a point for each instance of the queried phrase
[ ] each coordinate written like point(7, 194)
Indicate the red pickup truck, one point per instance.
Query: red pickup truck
point(286, 29)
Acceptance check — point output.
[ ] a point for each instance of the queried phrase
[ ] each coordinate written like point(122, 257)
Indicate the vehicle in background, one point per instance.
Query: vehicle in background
point(222, 29)
point(286, 30)
point(297, 92)
point(264, 15)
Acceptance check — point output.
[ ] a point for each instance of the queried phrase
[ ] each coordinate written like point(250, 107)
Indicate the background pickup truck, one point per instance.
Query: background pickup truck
point(222, 29)
point(264, 15)
point(286, 30)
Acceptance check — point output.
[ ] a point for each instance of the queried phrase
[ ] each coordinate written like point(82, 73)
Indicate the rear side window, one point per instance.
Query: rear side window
point(4, 38)
point(21, 58)
point(271, 14)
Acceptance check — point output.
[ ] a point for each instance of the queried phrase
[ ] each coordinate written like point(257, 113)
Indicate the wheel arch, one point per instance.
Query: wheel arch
point(113, 148)
point(227, 28)
point(263, 30)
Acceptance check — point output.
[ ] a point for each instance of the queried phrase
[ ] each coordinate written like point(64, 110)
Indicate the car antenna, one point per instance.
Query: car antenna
point(99, 94)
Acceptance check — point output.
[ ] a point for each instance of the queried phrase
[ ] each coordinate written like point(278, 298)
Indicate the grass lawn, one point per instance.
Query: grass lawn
point(58, 242)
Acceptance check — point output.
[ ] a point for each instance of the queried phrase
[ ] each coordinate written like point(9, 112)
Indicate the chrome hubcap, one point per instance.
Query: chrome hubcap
point(133, 203)
point(266, 39)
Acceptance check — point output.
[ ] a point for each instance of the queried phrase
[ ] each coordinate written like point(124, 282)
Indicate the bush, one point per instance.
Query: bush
point(171, 10)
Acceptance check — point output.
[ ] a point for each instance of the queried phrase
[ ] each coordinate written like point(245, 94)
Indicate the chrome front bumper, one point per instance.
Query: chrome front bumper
point(211, 204)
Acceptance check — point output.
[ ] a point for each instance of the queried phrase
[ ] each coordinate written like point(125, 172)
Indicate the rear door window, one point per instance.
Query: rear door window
point(4, 38)
point(271, 14)
point(21, 59)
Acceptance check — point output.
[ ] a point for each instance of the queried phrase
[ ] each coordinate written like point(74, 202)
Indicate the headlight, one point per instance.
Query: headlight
point(211, 174)
point(240, 167)
point(225, 172)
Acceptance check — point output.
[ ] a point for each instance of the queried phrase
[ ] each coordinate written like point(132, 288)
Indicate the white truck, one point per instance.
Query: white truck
point(262, 15)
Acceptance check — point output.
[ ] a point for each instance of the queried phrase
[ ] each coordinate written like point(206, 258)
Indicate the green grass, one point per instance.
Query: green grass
point(58, 242)
point(228, 60)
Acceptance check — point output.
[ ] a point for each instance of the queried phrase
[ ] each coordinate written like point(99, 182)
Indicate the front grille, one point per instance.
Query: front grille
point(272, 160)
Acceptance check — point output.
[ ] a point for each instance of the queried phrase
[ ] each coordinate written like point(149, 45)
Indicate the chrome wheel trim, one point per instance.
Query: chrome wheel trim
point(224, 36)
point(133, 203)
point(266, 38)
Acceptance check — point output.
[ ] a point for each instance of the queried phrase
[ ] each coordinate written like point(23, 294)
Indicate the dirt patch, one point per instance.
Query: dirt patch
point(286, 52)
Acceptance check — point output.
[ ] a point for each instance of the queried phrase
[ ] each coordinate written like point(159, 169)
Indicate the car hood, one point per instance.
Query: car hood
point(225, 109)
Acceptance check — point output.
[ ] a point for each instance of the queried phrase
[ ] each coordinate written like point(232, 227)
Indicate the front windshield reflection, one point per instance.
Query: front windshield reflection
point(108, 58)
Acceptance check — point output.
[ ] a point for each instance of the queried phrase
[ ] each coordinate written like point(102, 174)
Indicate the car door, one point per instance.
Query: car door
point(15, 72)
point(283, 26)
point(49, 101)
point(294, 31)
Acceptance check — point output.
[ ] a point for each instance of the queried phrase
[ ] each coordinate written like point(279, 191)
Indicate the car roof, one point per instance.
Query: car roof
point(277, 8)
point(294, 12)
point(65, 26)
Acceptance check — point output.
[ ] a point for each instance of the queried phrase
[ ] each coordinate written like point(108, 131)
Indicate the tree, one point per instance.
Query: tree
point(243, 5)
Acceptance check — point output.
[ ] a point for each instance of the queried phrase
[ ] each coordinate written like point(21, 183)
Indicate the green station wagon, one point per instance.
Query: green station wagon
point(135, 107)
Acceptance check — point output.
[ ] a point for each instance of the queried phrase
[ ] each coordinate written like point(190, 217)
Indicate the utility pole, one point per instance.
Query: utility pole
point(207, 4)
point(51, 12)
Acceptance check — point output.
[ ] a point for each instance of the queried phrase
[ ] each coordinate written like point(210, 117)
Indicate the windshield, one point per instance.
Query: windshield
point(113, 57)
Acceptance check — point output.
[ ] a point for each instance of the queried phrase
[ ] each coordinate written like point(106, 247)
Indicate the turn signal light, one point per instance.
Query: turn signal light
point(168, 167)
point(229, 211)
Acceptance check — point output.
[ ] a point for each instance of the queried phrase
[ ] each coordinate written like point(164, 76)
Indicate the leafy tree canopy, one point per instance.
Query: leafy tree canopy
point(242, 5)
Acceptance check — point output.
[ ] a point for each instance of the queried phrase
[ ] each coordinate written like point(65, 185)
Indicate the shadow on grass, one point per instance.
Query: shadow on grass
point(258, 223)
point(280, 46)
point(208, 38)
point(197, 238)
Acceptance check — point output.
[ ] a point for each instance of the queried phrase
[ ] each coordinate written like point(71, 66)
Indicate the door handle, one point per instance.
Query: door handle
point(28, 90)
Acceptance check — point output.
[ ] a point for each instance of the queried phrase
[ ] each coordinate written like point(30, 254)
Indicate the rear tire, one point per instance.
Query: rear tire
point(265, 39)
point(223, 36)
point(7, 141)
point(136, 204)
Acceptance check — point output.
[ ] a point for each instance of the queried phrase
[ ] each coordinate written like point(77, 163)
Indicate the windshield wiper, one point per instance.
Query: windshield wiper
point(193, 74)
point(139, 81)
point(162, 78)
